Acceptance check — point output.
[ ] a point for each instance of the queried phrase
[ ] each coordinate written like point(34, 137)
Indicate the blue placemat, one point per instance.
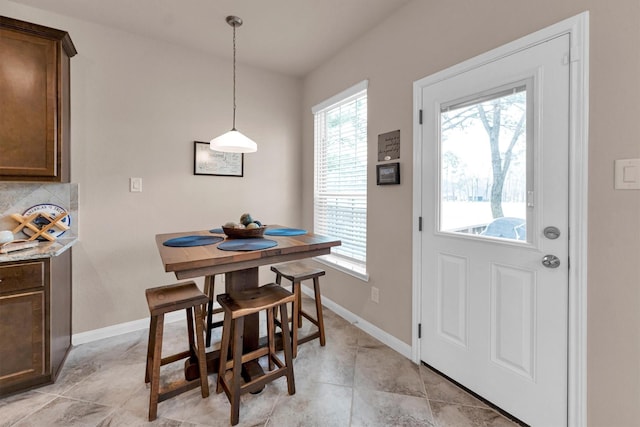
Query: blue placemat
point(253, 244)
point(217, 230)
point(284, 231)
point(185, 241)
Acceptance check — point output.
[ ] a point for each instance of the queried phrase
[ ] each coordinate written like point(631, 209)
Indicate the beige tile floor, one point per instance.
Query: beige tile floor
point(354, 380)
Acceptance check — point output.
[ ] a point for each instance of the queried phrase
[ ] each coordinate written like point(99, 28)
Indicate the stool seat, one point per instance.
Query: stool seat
point(165, 299)
point(250, 301)
point(297, 272)
point(236, 306)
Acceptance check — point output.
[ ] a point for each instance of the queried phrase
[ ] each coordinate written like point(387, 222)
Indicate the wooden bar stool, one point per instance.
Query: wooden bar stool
point(236, 307)
point(165, 299)
point(296, 273)
point(209, 290)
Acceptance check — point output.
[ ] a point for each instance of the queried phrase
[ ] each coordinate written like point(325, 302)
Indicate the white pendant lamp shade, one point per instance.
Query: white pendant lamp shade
point(233, 142)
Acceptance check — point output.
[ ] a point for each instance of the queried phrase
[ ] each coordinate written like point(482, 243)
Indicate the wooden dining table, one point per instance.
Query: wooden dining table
point(240, 269)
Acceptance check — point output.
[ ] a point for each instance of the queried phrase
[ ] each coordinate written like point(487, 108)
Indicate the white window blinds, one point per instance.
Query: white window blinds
point(340, 192)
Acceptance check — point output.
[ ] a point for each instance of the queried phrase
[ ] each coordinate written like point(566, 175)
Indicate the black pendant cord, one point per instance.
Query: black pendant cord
point(234, 77)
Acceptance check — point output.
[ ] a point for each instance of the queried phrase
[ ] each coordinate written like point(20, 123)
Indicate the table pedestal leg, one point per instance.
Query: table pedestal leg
point(237, 281)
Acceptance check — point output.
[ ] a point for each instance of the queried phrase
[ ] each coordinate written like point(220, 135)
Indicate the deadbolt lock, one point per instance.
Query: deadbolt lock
point(551, 232)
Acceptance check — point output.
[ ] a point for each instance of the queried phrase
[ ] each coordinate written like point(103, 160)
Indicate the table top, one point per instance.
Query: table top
point(197, 261)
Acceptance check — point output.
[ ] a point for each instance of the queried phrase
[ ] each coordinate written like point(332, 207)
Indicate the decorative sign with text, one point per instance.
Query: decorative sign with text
point(389, 146)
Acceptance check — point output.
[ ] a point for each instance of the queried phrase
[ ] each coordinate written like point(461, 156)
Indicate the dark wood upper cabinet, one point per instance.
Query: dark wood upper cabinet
point(34, 102)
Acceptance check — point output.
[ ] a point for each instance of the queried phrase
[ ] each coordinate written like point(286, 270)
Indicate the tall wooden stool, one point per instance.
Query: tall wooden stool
point(296, 273)
point(165, 299)
point(209, 290)
point(236, 306)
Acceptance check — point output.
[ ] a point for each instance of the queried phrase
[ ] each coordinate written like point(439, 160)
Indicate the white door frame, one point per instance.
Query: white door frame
point(578, 29)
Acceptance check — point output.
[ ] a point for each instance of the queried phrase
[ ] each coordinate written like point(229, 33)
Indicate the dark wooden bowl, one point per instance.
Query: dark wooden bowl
point(244, 233)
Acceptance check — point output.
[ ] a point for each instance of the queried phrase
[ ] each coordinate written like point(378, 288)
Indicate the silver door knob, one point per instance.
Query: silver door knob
point(551, 261)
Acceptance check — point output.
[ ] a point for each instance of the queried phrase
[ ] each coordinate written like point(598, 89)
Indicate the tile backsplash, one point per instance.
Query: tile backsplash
point(17, 197)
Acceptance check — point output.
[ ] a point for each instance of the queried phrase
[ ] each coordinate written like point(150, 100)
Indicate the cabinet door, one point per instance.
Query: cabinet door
point(22, 339)
point(28, 105)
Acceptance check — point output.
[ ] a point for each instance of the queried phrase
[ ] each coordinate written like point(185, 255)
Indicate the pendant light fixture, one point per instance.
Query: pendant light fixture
point(233, 141)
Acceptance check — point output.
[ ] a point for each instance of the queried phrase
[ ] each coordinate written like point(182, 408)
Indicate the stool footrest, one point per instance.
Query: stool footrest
point(309, 337)
point(309, 318)
point(305, 314)
point(258, 383)
point(217, 324)
point(276, 360)
point(176, 357)
point(249, 356)
point(177, 389)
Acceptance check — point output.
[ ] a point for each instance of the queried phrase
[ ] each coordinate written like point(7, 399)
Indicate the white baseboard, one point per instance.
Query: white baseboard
point(386, 338)
point(121, 328)
point(137, 325)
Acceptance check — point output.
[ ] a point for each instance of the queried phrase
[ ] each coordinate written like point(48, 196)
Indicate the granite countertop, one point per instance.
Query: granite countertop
point(43, 250)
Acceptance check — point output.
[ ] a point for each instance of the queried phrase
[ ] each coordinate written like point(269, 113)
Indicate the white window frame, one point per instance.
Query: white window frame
point(352, 266)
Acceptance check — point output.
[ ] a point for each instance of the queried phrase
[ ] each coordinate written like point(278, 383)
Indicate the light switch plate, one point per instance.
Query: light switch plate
point(375, 294)
point(135, 185)
point(627, 174)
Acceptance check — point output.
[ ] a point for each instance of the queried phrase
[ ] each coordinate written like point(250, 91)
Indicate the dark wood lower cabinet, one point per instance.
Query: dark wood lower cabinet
point(35, 321)
point(22, 337)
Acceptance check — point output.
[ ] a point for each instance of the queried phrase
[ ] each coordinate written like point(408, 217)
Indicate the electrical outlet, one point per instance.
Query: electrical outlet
point(375, 294)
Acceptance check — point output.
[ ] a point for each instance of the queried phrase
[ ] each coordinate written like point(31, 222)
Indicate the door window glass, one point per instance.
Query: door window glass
point(484, 165)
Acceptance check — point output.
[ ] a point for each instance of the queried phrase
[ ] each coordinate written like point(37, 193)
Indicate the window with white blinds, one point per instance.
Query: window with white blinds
point(340, 190)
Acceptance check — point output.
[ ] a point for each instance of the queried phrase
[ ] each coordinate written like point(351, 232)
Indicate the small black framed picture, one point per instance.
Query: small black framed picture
point(209, 162)
point(388, 174)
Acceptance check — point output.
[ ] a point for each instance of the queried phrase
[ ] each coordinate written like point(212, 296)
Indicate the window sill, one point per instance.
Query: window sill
point(356, 270)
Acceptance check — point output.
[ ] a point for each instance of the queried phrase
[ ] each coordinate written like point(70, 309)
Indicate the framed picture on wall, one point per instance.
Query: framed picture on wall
point(388, 174)
point(209, 162)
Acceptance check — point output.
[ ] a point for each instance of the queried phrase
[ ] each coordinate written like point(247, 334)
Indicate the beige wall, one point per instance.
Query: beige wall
point(426, 37)
point(137, 107)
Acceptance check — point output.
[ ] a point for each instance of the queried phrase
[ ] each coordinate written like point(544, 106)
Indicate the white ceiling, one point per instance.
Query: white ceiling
point(287, 36)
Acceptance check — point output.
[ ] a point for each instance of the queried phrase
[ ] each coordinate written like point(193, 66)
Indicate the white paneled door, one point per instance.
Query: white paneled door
point(495, 147)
